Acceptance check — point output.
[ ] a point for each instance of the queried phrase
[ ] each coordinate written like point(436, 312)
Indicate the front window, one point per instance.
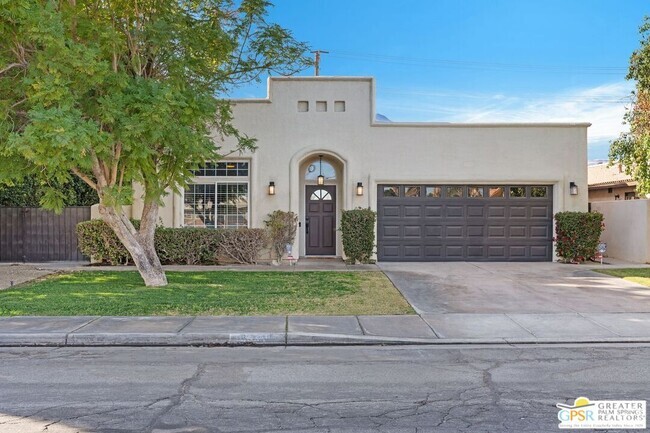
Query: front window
point(232, 205)
point(199, 205)
point(219, 196)
point(229, 169)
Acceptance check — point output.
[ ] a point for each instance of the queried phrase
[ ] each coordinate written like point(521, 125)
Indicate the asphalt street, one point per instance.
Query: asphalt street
point(310, 389)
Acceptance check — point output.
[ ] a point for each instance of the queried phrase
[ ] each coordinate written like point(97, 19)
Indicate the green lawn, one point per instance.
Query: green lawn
point(122, 293)
point(638, 275)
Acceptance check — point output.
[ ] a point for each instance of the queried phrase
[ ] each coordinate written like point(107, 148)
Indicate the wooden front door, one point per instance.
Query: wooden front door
point(320, 220)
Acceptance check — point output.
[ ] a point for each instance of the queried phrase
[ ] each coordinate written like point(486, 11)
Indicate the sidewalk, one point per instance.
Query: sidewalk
point(444, 328)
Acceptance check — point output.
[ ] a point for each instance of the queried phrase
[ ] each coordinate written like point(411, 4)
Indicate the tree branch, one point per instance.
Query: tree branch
point(99, 173)
point(11, 66)
point(116, 161)
point(85, 178)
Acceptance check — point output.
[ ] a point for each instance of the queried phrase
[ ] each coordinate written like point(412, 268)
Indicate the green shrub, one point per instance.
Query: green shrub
point(187, 245)
point(577, 235)
point(358, 230)
point(97, 240)
point(242, 246)
point(281, 227)
point(182, 246)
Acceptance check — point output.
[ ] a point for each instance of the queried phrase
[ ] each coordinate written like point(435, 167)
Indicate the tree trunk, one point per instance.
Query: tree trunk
point(140, 244)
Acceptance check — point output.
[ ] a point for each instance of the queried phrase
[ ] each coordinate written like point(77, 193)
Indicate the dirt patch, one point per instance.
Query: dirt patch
point(18, 273)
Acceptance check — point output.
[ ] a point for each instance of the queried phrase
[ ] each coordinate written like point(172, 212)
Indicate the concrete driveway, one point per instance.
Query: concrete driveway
point(512, 301)
point(461, 287)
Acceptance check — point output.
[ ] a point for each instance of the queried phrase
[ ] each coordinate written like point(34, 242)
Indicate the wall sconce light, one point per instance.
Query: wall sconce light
point(573, 188)
point(271, 188)
point(359, 188)
point(321, 178)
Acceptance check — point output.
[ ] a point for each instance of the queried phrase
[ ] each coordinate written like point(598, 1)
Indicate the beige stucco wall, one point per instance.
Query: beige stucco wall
point(601, 194)
point(374, 153)
point(627, 229)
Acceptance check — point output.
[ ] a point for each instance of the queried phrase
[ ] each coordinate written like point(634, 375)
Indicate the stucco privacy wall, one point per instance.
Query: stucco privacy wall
point(365, 151)
point(627, 229)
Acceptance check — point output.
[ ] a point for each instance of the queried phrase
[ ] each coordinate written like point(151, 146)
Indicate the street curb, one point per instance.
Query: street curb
point(269, 339)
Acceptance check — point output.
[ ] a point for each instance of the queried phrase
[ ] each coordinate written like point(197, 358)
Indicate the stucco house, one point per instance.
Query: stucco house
point(610, 183)
point(442, 191)
point(613, 193)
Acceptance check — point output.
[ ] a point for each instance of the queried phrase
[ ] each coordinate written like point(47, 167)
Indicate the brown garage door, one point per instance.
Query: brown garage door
point(465, 222)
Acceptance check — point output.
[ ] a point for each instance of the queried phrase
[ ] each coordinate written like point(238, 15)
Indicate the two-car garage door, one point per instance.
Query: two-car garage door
point(465, 222)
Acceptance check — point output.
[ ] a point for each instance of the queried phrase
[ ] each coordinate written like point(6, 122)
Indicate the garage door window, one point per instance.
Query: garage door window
point(454, 191)
point(538, 192)
point(497, 192)
point(517, 192)
point(391, 191)
point(474, 191)
point(411, 191)
point(433, 191)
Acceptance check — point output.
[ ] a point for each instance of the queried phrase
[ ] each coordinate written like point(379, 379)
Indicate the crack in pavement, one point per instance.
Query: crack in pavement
point(176, 399)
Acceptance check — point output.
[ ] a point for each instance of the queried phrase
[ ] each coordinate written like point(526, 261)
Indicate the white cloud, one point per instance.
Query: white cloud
point(603, 106)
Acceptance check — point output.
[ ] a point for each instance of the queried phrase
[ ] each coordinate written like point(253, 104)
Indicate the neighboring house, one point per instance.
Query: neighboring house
point(610, 183)
point(467, 191)
point(627, 221)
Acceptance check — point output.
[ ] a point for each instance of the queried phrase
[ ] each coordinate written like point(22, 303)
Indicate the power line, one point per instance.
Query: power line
point(474, 65)
point(519, 97)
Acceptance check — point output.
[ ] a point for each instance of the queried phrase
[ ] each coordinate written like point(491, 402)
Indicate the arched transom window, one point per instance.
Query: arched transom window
point(320, 194)
point(313, 170)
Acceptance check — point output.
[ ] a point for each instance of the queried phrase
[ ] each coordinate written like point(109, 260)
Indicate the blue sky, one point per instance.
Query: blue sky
point(474, 61)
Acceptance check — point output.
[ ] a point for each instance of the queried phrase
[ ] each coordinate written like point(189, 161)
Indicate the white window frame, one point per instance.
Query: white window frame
point(248, 198)
point(183, 204)
point(208, 180)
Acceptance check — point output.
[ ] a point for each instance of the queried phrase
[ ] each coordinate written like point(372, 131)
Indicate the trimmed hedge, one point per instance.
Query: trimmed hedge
point(96, 239)
point(182, 246)
point(242, 246)
point(187, 245)
point(577, 235)
point(358, 232)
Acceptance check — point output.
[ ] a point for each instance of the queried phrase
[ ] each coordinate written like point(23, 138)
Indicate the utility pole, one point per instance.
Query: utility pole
point(317, 61)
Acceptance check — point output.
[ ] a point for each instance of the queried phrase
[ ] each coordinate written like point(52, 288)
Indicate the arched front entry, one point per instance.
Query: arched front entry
point(320, 203)
point(320, 220)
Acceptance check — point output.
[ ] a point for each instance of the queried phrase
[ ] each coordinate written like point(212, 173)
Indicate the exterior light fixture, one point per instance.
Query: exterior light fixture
point(573, 188)
point(271, 188)
point(321, 178)
point(359, 188)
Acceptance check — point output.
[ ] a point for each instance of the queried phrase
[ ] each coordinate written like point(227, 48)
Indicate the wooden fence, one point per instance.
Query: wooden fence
point(36, 235)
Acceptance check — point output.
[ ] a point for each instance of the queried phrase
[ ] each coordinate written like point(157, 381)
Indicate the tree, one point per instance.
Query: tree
point(632, 149)
point(28, 193)
point(126, 91)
